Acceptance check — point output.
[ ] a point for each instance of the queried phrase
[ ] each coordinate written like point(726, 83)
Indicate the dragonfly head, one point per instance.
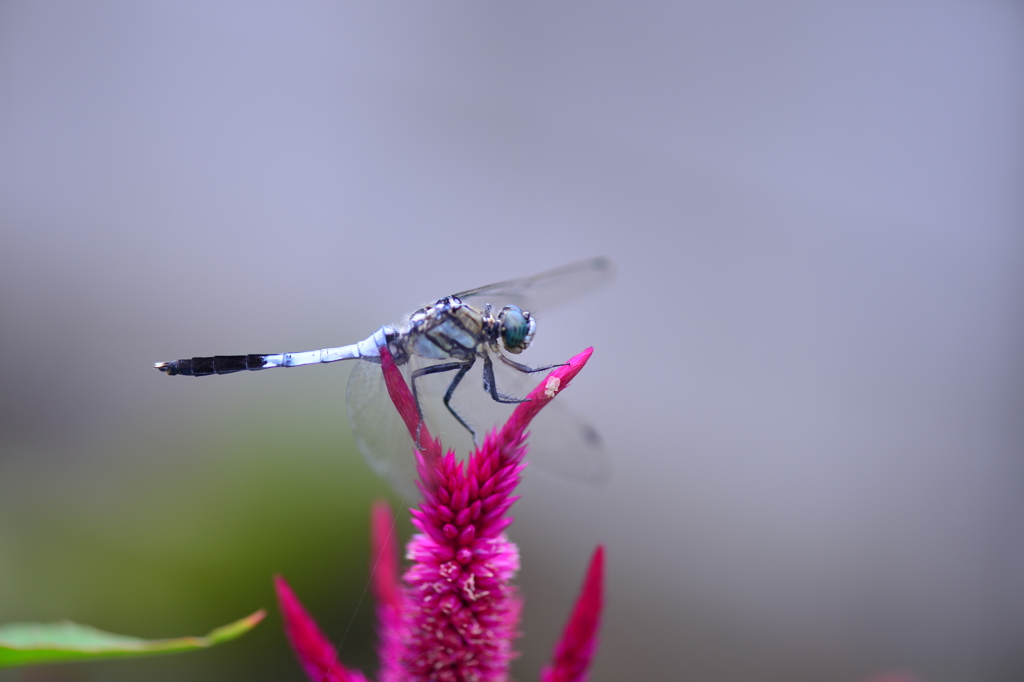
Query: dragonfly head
point(516, 328)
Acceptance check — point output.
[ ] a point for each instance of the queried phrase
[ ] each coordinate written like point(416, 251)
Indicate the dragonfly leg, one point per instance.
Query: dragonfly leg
point(437, 369)
point(463, 367)
point(491, 387)
point(526, 369)
point(448, 397)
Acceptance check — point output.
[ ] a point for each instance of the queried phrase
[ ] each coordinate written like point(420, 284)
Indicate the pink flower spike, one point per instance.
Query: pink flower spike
point(460, 610)
point(316, 654)
point(576, 649)
point(384, 555)
point(401, 396)
point(390, 600)
point(540, 396)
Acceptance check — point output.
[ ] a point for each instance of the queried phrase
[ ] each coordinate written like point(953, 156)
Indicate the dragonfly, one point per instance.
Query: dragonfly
point(437, 347)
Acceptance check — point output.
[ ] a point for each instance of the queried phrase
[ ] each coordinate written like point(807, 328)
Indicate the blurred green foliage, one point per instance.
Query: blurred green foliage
point(152, 541)
point(24, 644)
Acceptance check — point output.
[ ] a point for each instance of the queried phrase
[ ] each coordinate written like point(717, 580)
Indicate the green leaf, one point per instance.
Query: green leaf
point(31, 643)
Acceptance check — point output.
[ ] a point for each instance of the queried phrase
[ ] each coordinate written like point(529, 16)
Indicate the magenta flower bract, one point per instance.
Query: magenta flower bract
point(454, 615)
point(316, 654)
point(579, 641)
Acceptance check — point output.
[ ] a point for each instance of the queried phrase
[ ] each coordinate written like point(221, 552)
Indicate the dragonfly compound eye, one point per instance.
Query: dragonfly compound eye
point(517, 328)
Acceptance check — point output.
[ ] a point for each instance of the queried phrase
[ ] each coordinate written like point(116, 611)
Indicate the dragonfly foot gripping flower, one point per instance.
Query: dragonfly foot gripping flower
point(454, 614)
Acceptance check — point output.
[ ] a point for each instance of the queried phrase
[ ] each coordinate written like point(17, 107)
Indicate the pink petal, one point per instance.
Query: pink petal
point(316, 654)
point(553, 384)
point(384, 571)
point(384, 555)
point(401, 396)
point(576, 649)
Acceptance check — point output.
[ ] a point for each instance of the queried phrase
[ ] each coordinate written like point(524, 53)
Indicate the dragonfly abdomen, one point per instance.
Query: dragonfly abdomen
point(367, 349)
point(217, 364)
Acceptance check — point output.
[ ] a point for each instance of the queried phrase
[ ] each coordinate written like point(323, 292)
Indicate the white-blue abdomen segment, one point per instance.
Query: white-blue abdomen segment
point(367, 348)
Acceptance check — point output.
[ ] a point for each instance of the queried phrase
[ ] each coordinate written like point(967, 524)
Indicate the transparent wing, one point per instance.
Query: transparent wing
point(379, 432)
point(565, 444)
point(546, 290)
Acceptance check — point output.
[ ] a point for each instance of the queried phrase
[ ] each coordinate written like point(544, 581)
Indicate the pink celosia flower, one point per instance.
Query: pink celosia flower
point(455, 613)
point(316, 654)
point(579, 641)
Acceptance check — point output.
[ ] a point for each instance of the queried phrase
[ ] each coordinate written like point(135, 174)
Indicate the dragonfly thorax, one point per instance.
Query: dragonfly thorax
point(452, 329)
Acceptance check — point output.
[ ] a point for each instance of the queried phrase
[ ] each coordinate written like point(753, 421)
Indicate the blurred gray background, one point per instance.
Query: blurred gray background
point(808, 369)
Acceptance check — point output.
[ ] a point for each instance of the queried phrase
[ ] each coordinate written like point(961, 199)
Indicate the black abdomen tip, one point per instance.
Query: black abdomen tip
point(168, 368)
